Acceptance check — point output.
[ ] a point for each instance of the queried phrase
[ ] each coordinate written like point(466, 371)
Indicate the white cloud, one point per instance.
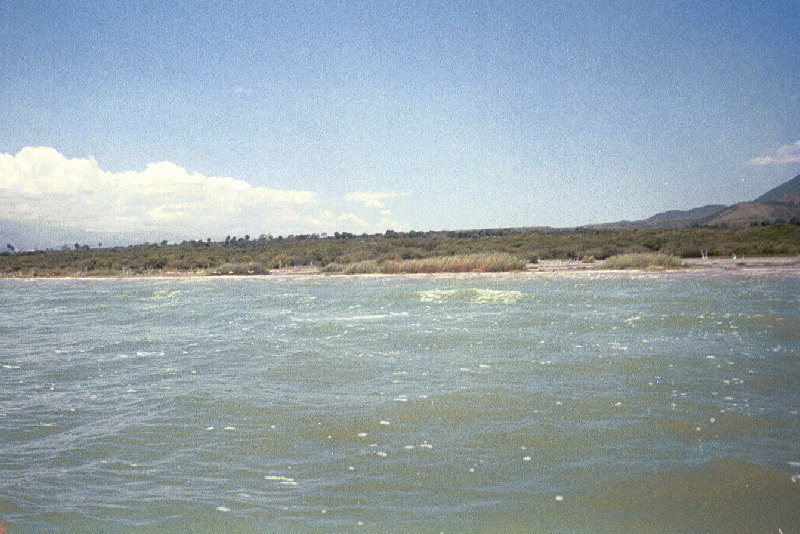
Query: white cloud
point(352, 218)
point(783, 155)
point(372, 199)
point(41, 185)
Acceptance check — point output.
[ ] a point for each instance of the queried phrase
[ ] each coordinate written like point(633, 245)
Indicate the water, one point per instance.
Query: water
point(401, 404)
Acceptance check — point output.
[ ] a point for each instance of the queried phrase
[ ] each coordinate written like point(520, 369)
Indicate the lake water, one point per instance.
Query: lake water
point(505, 403)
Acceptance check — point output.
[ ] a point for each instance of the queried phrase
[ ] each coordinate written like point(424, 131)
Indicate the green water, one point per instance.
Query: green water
point(401, 404)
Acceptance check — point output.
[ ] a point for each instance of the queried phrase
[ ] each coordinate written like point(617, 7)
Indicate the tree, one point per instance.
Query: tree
point(11, 247)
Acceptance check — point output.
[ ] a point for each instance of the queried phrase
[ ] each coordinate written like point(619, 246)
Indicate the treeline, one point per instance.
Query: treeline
point(245, 255)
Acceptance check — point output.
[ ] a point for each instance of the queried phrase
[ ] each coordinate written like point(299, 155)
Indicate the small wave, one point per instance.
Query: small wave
point(165, 294)
point(280, 479)
point(472, 295)
point(372, 317)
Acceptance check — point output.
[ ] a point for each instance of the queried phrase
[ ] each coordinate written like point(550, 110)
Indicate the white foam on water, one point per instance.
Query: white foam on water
point(475, 295)
point(149, 353)
point(164, 294)
point(371, 317)
point(280, 479)
point(223, 509)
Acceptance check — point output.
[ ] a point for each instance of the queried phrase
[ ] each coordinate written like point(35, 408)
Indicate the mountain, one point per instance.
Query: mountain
point(792, 187)
point(779, 203)
point(680, 218)
point(747, 213)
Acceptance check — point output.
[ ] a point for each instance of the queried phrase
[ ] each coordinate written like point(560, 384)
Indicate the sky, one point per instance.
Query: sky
point(151, 120)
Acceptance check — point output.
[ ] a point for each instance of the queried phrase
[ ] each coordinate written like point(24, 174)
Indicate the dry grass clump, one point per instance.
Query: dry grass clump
point(648, 260)
point(468, 263)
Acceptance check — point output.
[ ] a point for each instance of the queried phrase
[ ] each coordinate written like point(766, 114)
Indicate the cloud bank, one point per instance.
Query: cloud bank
point(785, 154)
point(372, 199)
point(40, 185)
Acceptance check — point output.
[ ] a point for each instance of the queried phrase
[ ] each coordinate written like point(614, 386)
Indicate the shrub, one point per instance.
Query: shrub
point(333, 267)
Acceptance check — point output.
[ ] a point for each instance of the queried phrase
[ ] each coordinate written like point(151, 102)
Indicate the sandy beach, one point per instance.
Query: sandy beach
point(745, 267)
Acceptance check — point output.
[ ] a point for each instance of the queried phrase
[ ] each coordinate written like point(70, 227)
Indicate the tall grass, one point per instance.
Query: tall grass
point(468, 263)
point(358, 267)
point(647, 260)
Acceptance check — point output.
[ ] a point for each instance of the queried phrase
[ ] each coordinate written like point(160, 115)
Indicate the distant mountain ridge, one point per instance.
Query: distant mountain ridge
point(779, 203)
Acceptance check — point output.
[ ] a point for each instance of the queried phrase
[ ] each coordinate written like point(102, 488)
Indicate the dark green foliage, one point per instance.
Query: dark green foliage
point(265, 253)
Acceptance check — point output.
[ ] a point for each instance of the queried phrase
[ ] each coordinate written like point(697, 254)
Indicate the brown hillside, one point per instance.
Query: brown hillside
point(789, 198)
point(747, 213)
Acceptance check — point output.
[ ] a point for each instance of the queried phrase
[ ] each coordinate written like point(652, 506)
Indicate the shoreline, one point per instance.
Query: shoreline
point(771, 266)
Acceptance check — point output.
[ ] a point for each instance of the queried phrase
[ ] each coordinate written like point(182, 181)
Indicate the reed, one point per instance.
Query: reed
point(647, 260)
point(362, 267)
point(468, 263)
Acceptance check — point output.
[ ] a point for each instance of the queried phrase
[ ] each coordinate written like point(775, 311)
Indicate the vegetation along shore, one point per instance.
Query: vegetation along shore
point(392, 252)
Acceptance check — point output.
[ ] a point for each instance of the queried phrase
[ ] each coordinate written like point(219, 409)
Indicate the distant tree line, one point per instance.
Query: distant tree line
point(319, 250)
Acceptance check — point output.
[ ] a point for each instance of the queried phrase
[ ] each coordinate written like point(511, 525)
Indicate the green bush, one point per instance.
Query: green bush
point(333, 268)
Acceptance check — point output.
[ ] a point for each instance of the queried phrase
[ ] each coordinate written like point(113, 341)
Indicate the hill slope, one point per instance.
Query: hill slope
point(788, 188)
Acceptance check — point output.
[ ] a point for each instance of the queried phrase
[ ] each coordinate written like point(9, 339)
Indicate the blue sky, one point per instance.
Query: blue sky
point(151, 120)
